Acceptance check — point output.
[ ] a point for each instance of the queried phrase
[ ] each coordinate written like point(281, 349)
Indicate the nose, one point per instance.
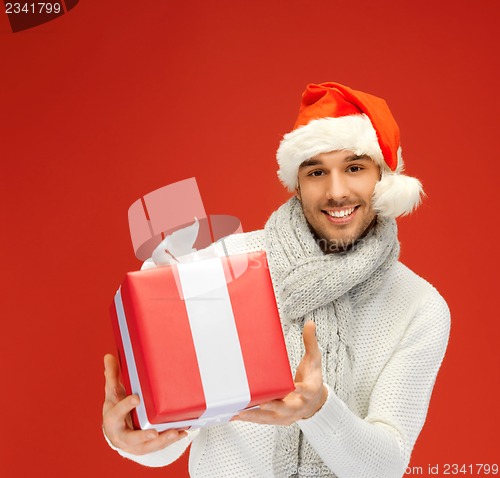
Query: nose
point(338, 188)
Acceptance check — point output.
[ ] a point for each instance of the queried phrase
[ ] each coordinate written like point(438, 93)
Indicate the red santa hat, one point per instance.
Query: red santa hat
point(333, 117)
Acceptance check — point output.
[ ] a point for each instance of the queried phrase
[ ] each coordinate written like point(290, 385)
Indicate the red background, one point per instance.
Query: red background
point(115, 99)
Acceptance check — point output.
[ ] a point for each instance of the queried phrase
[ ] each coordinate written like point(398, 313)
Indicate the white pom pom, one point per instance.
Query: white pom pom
point(397, 195)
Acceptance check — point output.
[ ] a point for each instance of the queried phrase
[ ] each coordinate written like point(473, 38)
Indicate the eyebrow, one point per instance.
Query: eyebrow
point(349, 159)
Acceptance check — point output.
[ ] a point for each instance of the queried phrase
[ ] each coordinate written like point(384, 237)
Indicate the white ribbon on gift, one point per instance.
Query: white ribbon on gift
point(215, 336)
point(203, 287)
point(176, 245)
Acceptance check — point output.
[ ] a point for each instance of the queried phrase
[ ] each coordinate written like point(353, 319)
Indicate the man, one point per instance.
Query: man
point(365, 335)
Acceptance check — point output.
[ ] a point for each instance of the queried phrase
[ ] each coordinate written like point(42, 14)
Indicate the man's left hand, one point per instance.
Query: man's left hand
point(310, 393)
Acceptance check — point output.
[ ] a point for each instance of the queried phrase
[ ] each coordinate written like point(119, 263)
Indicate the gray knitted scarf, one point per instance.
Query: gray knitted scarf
point(312, 285)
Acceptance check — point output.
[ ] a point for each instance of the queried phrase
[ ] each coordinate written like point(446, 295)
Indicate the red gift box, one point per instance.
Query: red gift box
point(200, 341)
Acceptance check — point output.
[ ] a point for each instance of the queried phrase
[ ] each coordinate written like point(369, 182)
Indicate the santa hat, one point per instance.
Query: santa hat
point(333, 117)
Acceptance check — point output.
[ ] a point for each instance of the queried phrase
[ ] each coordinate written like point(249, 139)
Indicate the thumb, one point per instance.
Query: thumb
point(310, 341)
point(311, 361)
point(113, 387)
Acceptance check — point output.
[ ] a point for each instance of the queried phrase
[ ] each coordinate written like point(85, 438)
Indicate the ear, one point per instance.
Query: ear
point(297, 191)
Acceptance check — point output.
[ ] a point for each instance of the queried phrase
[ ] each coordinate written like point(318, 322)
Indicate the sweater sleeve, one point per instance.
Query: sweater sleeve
point(161, 457)
point(380, 444)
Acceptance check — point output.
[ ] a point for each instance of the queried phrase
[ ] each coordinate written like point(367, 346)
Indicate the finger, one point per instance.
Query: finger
point(292, 401)
point(162, 440)
point(287, 416)
point(282, 407)
point(114, 390)
point(139, 442)
point(256, 416)
point(115, 414)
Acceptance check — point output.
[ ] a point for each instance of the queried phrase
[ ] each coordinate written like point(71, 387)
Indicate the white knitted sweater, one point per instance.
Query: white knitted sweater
point(400, 336)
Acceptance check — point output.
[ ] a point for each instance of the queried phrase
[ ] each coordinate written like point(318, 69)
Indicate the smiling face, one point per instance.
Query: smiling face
point(336, 190)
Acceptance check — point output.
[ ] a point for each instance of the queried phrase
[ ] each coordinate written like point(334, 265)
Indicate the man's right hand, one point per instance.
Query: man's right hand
point(116, 420)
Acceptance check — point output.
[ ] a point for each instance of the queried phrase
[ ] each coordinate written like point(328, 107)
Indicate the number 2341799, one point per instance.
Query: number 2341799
point(35, 7)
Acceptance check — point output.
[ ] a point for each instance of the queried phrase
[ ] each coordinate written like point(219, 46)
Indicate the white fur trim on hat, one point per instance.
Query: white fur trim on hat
point(353, 133)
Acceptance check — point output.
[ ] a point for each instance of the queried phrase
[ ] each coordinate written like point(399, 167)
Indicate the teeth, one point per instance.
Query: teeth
point(343, 213)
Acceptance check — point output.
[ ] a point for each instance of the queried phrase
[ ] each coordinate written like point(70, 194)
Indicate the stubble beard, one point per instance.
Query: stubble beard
point(340, 244)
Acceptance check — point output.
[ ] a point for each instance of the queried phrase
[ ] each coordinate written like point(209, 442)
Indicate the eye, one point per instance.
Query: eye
point(354, 169)
point(315, 173)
